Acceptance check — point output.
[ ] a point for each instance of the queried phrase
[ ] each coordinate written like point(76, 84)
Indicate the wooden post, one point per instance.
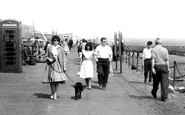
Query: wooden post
point(122, 46)
point(137, 60)
point(129, 59)
point(126, 57)
point(115, 48)
point(120, 50)
point(133, 56)
point(174, 71)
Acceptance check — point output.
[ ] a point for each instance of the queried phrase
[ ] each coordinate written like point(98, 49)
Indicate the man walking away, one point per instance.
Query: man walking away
point(147, 62)
point(160, 69)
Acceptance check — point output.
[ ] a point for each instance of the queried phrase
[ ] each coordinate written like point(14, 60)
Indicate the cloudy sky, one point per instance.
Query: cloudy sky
point(92, 18)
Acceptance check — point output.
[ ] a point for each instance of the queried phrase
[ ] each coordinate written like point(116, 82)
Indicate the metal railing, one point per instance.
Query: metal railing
point(132, 59)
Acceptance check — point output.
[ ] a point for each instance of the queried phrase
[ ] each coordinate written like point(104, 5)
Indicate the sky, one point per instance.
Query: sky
point(136, 19)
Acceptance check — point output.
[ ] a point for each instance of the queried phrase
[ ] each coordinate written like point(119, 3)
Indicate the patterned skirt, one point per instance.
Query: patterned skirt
point(54, 73)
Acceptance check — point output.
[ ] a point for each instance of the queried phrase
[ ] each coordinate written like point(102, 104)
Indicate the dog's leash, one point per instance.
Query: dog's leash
point(69, 77)
point(61, 72)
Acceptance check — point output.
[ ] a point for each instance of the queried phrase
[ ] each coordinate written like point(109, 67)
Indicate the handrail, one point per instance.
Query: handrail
point(175, 64)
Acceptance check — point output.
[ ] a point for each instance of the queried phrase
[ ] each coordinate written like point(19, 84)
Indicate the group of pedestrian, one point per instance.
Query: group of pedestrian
point(156, 64)
point(155, 61)
point(103, 56)
point(57, 59)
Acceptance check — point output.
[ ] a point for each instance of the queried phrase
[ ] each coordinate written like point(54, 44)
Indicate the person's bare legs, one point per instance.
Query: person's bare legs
point(86, 81)
point(52, 90)
point(55, 90)
point(89, 83)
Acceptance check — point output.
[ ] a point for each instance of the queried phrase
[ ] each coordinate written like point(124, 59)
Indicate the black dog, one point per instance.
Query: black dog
point(78, 90)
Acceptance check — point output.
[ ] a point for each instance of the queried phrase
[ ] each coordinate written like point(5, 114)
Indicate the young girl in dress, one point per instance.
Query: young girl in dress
point(86, 70)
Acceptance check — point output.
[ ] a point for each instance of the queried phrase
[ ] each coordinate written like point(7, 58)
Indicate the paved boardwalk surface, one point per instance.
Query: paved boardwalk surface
point(126, 94)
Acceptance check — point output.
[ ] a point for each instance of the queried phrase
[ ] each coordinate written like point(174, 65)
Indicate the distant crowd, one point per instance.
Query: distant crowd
point(33, 50)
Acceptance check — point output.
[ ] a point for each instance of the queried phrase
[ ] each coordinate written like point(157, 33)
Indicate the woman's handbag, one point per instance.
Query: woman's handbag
point(50, 62)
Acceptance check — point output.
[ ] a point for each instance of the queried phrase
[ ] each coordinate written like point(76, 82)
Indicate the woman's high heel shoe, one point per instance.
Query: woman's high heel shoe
point(55, 96)
point(51, 97)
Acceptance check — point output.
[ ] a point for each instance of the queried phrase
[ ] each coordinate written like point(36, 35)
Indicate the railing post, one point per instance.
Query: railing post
point(174, 71)
point(123, 56)
point(121, 63)
point(120, 49)
point(126, 57)
point(133, 56)
point(116, 61)
point(137, 60)
point(129, 59)
point(115, 49)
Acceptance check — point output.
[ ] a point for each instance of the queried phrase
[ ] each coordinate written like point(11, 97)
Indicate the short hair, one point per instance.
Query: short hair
point(103, 38)
point(55, 37)
point(90, 45)
point(149, 43)
point(158, 41)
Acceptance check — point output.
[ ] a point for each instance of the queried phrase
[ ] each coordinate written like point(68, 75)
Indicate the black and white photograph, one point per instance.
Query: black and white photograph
point(92, 57)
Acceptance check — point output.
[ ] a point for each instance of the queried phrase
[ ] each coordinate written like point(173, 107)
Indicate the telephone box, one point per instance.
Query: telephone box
point(10, 46)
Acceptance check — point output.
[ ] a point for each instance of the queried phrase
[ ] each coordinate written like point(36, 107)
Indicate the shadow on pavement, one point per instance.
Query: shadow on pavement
point(137, 82)
point(95, 87)
point(73, 97)
point(141, 97)
point(41, 95)
point(96, 82)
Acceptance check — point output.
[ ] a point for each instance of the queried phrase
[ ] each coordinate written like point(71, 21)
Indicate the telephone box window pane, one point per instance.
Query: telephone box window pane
point(9, 31)
point(11, 36)
point(9, 45)
point(9, 58)
point(10, 54)
point(9, 49)
point(10, 62)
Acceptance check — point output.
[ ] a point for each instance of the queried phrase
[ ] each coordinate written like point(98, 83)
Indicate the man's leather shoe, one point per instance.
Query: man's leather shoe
point(100, 87)
point(154, 94)
point(103, 88)
point(163, 98)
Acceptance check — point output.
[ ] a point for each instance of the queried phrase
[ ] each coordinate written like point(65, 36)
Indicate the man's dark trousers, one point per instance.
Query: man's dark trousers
point(103, 71)
point(147, 69)
point(161, 76)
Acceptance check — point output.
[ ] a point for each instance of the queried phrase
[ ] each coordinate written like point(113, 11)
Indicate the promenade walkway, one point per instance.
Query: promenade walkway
point(126, 94)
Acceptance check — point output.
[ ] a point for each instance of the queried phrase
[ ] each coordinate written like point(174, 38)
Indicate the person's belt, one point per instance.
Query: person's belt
point(160, 63)
point(148, 59)
point(103, 59)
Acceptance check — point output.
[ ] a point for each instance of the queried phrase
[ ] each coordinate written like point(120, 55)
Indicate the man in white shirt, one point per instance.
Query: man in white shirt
point(147, 62)
point(103, 57)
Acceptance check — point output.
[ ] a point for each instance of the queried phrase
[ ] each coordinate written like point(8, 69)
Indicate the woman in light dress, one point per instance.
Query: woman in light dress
point(86, 71)
point(55, 71)
point(66, 47)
